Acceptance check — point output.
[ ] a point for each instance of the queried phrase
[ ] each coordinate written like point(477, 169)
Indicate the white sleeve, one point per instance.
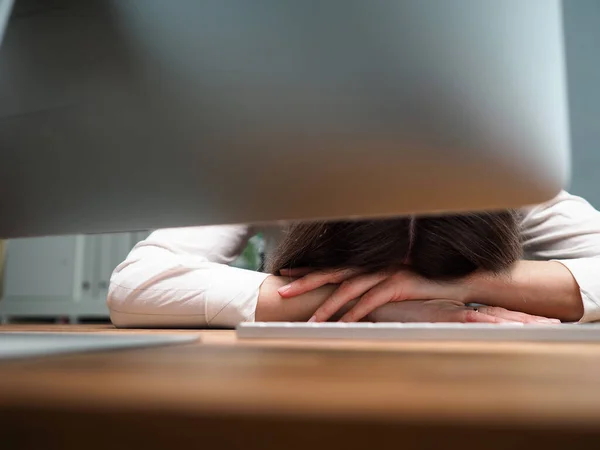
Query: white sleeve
point(179, 278)
point(567, 229)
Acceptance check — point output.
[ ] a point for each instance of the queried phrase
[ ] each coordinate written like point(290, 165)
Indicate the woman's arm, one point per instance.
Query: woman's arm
point(271, 307)
point(563, 236)
point(543, 288)
point(179, 278)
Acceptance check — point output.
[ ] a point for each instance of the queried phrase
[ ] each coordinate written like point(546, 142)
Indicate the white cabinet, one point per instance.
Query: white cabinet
point(64, 276)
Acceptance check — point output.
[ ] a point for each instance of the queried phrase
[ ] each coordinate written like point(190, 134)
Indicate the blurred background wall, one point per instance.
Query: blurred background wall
point(582, 43)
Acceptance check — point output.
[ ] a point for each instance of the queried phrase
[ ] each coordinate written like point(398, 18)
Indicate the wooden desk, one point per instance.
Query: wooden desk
point(311, 394)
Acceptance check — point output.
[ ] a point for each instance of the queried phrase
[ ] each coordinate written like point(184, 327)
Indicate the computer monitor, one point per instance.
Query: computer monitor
point(138, 114)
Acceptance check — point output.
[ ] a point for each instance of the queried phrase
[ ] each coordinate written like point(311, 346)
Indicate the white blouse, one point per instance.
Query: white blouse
point(180, 278)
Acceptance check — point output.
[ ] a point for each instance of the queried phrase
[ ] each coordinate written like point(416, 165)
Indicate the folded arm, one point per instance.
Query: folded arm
point(562, 279)
point(180, 278)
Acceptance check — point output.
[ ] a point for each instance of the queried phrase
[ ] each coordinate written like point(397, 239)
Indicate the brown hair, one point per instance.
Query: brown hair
point(448, 246)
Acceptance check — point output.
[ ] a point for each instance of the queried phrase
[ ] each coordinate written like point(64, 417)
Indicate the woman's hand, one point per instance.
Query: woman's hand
point(450, 311)
point(376, 289)
point(372, 290)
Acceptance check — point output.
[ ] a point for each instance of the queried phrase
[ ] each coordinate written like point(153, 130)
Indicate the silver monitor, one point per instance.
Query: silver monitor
point(135, 114)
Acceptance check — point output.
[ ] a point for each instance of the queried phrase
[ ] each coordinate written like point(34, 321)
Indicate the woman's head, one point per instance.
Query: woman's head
point(449, 246)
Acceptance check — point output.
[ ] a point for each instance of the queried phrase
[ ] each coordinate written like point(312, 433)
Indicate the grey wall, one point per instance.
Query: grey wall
point(582, 33)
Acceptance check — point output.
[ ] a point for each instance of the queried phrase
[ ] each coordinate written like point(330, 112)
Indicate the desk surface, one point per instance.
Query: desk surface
point(310, 393)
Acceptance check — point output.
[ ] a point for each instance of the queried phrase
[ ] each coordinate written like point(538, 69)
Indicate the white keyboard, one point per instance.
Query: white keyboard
point(420, 331)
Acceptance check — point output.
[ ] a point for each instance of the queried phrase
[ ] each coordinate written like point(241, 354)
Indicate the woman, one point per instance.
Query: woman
point(179, 277)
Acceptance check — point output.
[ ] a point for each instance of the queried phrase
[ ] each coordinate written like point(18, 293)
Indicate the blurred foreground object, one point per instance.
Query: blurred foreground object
point(137, 114)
